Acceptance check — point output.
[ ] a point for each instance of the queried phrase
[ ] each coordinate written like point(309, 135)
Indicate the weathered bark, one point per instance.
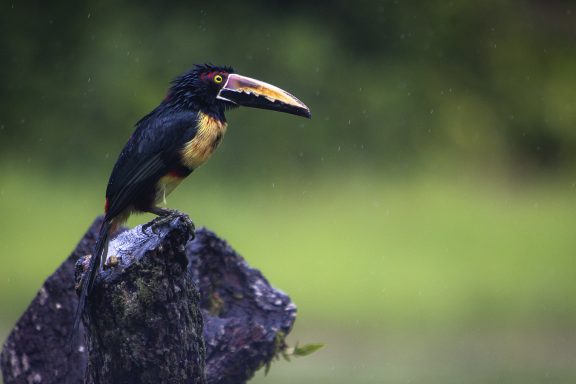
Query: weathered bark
point(36, 350)
point(245, 319)
point(143, 314)
point(143, 322)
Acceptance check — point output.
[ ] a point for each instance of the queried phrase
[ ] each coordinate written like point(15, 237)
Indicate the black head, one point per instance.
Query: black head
point(199, 87)
point(213, 89)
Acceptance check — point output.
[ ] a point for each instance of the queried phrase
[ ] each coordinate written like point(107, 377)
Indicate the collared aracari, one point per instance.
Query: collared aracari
point(173, 140)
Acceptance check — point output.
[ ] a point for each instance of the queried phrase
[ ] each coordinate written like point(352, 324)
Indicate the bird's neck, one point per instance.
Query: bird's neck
point(174, 103)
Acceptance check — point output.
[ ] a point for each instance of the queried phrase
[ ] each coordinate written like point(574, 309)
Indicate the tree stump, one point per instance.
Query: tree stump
point(145, 316)
point(143, 322)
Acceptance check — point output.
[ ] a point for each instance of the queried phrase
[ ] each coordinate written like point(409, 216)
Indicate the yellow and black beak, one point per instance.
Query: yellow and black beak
point(254, 93)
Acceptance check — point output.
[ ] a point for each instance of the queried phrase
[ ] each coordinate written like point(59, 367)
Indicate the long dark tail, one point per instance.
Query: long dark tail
point(88, 280)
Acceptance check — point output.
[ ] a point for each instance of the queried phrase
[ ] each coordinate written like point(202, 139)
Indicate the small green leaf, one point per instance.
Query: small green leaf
point(307, 349)
point(267, 369)
point(286, 352)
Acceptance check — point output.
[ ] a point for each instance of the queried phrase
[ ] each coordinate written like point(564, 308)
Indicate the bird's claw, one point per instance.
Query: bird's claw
point(191, 226)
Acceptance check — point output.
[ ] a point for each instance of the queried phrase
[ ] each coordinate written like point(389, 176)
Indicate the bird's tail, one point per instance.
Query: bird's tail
point(99, 253)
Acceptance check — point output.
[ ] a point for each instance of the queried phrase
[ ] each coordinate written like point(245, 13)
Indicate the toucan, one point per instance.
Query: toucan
point(170, 142)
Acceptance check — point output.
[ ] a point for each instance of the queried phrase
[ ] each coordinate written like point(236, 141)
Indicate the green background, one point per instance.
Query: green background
point(423, 220)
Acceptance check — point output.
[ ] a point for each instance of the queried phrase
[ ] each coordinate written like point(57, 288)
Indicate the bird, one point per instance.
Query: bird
point(170, 142)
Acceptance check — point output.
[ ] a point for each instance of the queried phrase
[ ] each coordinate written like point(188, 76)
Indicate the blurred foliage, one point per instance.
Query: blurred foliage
point(390, 83)
point(396, 216)
point(431, 280)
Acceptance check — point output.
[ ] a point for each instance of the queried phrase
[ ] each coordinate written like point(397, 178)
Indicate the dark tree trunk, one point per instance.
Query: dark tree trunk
point(145, 315)
point(144, 324)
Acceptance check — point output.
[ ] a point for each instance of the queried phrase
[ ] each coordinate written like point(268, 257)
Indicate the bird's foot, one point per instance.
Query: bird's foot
point(165, 216)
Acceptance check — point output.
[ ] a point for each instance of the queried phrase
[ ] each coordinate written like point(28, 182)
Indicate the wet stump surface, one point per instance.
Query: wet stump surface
point(167, 309)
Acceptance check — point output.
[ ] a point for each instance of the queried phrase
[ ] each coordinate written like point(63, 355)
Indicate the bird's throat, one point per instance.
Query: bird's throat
point(198, 150)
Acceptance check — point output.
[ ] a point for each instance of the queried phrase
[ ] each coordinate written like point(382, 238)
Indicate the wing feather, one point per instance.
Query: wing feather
point(152, 151)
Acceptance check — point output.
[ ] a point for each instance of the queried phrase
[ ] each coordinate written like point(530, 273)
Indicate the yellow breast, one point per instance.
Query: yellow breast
point(165, 186)
point(200, 148)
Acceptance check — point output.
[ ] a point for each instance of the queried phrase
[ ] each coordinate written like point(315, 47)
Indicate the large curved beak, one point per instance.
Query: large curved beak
point(254, 93)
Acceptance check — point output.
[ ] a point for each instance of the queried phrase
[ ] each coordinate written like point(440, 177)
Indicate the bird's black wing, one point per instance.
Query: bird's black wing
point(150, 153)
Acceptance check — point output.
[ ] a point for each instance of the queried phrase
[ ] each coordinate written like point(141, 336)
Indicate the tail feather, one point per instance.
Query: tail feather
point(88, 280)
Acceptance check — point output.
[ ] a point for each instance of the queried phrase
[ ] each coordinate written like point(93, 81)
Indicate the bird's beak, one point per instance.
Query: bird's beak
point(254, 93)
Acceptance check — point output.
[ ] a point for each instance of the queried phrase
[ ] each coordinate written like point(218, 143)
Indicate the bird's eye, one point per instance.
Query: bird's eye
point(218, 79)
